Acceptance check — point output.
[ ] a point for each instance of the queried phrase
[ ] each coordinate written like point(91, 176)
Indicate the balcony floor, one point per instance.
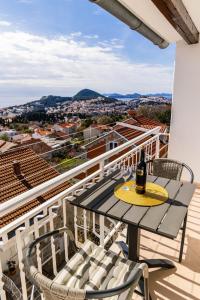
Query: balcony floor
point(184, 282)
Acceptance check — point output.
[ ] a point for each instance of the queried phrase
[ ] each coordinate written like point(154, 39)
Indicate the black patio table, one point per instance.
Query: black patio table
point(165, 219)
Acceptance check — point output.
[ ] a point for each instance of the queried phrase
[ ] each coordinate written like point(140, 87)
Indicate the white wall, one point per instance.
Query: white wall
point(90, 133)
point(185, 125)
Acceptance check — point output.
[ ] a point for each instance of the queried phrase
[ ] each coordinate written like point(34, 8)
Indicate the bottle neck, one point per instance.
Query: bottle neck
point(142, 156)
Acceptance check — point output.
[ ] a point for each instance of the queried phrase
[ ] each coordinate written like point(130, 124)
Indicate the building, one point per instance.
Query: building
point(94, 131)
point(6, 146)
point(176, 22)
point(40, 133)
point(162, 22)
point(123, 132)
point(18, 169)
point(22, 138)
point(10, 133)
point(66, 128)
point(38, 146)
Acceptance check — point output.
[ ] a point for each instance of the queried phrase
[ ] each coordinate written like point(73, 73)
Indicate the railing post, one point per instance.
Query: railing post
point(53, 247)
point(85, 224)
point(21, 261)
point(101, 224)
point(65, 233)
point(75, 224)
point(101, 165)
point(38, 251)
point(2, 291)
point(157, 154)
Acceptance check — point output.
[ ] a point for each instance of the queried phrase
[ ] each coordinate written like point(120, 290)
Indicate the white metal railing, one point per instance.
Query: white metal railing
point(18, 201)
point(43, 217)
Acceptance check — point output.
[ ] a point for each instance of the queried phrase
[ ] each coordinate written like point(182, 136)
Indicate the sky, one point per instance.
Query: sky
point(57, 47)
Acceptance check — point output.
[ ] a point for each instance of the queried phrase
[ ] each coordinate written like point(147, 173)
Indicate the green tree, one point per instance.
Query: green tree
point(103, 120)
point(4, 137)
point(161, 113)
point(164, 116)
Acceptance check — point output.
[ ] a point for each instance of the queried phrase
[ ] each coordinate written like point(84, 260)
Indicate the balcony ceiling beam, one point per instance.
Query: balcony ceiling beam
point(176, 13)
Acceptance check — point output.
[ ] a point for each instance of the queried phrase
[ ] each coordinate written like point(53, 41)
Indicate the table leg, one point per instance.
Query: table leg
point(133, 235)
point(133, 249)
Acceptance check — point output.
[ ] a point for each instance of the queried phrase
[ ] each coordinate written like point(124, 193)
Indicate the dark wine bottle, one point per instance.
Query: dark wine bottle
point(141, 175)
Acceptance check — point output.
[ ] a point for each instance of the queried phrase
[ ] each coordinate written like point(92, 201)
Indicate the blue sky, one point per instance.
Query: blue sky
point(60, 46)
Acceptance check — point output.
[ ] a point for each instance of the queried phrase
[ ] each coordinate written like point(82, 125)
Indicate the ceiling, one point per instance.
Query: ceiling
point(151, 16)
point(193, 8)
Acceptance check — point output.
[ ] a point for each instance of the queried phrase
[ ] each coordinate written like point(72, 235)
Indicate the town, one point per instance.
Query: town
point(59, 128)
point(99, 164)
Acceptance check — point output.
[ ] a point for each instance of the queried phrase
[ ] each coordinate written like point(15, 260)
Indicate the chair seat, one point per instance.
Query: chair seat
point(94, 268)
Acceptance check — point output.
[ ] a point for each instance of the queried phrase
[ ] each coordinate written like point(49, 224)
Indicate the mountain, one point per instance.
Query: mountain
point(121, 96)
point(136, 95)
point(86, 94)
point(133, 96)
point(50, 100)
point(165, 95)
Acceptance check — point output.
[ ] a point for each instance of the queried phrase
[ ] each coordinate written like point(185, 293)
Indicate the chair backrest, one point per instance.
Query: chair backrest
point(169, 168)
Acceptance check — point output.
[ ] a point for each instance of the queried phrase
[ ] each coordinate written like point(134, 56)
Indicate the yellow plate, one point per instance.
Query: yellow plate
point(155, 194)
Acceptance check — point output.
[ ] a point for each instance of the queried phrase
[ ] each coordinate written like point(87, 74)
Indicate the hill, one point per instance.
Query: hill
point(86, 94)
point(50, 100)
point(136, 95)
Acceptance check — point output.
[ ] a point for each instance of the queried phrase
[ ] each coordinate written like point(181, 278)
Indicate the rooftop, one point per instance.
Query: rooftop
point(17, 172)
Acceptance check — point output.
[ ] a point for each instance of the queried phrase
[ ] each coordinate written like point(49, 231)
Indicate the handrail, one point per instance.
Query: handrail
point(68, 191)
point(19, 200)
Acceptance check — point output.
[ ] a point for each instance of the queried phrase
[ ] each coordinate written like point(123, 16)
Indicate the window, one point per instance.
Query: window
point(113, 145)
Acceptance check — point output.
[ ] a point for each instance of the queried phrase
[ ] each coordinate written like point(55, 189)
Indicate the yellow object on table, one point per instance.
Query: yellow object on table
point(154, 195)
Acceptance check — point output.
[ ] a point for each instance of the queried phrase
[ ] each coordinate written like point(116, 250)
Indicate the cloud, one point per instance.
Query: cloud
point(33, 65)
point(91, 36)
point(4, 23)
point(76, 34)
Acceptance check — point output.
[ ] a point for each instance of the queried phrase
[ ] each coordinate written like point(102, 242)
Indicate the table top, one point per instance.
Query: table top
point(165, 219)
point(154, 195)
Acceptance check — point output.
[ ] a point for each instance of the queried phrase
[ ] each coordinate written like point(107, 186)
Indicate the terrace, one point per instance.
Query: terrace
point(181, 282)
point(171, 284)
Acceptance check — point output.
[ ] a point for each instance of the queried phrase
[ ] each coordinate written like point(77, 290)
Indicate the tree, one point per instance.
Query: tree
point(4, 137)
point(103, 120)
point(164, 116)
point(161, 113)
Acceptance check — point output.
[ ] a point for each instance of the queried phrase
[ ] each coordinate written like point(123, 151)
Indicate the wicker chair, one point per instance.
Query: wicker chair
point(92, 273)
point(172, 169)
point(169, 168)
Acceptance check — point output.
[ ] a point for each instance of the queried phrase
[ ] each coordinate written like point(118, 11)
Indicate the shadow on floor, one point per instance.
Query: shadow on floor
point(162, 289)
point(192, 257)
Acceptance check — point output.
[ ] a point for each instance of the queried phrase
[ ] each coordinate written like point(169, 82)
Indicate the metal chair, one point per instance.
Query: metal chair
point(172, 169)
point(92, 273)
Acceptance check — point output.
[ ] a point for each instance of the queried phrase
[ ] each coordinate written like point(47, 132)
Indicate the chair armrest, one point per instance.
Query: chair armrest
point(132, 282)
point(190, 171)
point(44, 236)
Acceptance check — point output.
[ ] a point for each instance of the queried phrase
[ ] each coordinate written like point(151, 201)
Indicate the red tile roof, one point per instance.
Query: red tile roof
point(145, 122)
point(38, 146)
point(67, 125)
point(35, 171)
point(128, 133)
point(5, 146)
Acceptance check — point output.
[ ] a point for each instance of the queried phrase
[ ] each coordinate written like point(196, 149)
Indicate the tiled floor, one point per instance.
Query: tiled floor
point(183, 282)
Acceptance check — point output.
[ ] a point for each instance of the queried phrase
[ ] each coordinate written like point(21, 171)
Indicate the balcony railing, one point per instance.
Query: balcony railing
point(45, 217)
